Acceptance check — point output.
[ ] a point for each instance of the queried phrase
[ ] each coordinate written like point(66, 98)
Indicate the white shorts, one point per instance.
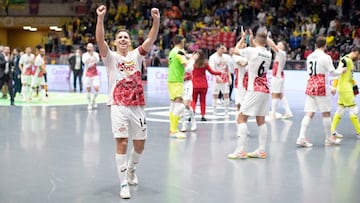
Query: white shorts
point(223, 87)
point(277, 85)
point(128, 121)
point(92, 81)
point(239, 95)
point(312, 103)
point(37, 81)
point(188, 90)
point(255, 104)
point(26, 79)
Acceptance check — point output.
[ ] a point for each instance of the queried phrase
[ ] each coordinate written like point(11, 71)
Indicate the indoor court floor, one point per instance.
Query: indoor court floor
point(65, 154)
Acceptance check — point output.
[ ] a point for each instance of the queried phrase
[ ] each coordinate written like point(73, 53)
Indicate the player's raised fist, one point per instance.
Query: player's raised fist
point(101, 10)
point(155, 13)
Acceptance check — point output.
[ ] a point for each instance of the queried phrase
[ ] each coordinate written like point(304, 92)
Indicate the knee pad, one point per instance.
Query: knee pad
point(340, 110)
point(353, 110)
point(178, 109)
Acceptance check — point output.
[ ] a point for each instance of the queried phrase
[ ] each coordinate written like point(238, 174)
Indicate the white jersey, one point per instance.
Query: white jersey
point(239, 70)
point(259, 60)
point(38, 64)
point(26, 61)
point(124, 76)
point(222, 64)
point(279, 64)
point(318, 65)
point(90, 61)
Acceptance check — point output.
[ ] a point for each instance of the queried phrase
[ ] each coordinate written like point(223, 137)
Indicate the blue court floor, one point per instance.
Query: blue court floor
point(65, 154)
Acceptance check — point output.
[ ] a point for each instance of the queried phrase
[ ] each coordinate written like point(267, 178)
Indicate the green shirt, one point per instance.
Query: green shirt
point(177, 60)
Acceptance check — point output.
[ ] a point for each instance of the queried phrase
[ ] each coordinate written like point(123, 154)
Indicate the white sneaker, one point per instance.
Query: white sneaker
point(124, 191)
point(338, 135)
point(303, 142)
point(287, 116)
point(226, 115)
point(238, 155)
point(89, 107)
point(193, 125)
point(179, 135)
point(333, 140)
point(132, 178)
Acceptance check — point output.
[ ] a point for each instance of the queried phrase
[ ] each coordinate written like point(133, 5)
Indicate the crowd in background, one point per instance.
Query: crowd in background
point(297, 22)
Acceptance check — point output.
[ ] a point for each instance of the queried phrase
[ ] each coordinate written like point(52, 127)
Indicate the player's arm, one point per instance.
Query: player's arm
point(152, 36)
point(100, 31)
point(21, 65)
point(339, 70)
point(240, 42)
point(272, 44)
point(212, 71)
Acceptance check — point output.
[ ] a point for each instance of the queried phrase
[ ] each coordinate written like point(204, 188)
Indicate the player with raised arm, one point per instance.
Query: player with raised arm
point(256, 100)
point(277, 82)
point(126, 99)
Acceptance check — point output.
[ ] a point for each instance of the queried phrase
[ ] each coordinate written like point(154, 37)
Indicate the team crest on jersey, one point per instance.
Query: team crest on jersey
point(127, 68)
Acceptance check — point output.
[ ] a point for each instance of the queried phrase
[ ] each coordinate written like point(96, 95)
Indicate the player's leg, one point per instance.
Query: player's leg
point(120, 128)
point(353, 111)
point(225, 90)
point(176, 108)
point(240, 151)
point(138, 130)
point(310, 109)
point(216, 90)
point(88, 82)
point(96, 84)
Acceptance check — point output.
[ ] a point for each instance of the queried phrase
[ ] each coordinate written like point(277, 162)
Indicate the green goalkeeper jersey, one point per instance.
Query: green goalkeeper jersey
point(177, 60)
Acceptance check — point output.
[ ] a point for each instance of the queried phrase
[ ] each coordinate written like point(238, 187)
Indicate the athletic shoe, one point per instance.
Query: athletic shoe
point(288, 115)
point(332, 141)
point(193, 125)
point(89, 107)
point(179, 135)
point(203, 119)
point(337, 135)
point(132, 178)
point(272, 116)
point(303, 142)
point(94, 105)
point(125, 192)
point(238, 155)
point(257, 154)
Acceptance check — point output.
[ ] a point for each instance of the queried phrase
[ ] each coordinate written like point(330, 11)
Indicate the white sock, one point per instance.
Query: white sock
point(29, 92)
point(89, 97)
point(95, 95)
point(274, 103)
point(286, 106)
point(43, 93)
point(227, 103)
point(242, 134)
point(304, 125)
point(327, 126)
point(262, 136)
point(133, 159)
point(121, 167)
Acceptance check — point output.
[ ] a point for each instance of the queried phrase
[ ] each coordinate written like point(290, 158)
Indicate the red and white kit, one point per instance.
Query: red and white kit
point(221, 64)
point(27, 64)
point(277, 81)
point(91, 72)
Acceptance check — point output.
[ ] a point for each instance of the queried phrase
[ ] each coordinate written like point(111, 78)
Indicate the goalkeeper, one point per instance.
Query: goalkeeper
point(347, 89)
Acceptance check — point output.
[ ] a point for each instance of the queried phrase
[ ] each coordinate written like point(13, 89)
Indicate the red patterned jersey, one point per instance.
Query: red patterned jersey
point(92, 71)
point(259, 60)
point(318, 65)
point(124, 78)
point(279, 64)
point(26, 62)
point(90, 60)
point(222, 64)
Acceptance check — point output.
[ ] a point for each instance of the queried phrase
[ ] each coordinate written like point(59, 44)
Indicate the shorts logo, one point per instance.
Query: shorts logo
point(122, 129)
